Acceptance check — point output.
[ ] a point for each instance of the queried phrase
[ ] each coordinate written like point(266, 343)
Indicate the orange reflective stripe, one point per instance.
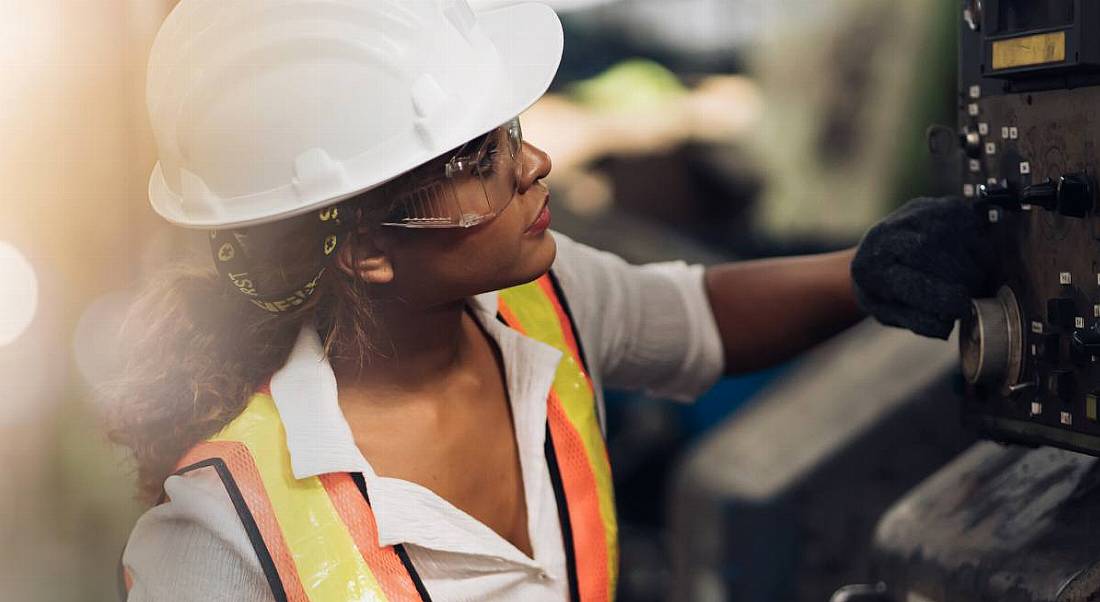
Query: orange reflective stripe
point(389, 571)
point(246, 475)
point(316, 538)
point(510, 317)
point(535, 310)
point(332, 527)
point(581, 493)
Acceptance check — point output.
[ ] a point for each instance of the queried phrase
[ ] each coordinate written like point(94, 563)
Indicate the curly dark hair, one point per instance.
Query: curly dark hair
point(197, 349)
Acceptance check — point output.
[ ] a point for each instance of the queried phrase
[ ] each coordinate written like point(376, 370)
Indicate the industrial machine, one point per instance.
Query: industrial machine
point(1019, 522)
point(1029, 127)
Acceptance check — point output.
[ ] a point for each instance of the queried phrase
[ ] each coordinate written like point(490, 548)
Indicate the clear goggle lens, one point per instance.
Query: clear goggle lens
point(472, 187)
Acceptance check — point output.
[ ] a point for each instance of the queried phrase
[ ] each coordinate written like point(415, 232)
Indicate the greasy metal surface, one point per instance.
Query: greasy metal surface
point(1003, 523)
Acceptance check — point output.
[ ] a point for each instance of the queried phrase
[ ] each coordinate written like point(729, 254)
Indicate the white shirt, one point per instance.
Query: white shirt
point(642, 327)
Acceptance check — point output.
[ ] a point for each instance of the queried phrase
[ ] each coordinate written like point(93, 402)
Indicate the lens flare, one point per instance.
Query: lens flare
point(18, 294)
point(96, 338)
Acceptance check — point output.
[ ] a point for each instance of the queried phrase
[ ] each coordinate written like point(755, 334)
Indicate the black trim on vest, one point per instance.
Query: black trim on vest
point(563, 506)
point(552, 456)
point(563, 516)
point(402, 553)
point(249, 522)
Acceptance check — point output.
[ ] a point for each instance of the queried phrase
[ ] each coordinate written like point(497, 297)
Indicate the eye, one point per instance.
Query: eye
point(489, 158)
point(398, 212)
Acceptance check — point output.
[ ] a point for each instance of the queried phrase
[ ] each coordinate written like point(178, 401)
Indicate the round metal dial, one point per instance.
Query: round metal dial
point(991, 341)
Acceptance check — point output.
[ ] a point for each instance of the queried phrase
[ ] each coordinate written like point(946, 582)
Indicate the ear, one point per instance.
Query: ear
point(364, 257)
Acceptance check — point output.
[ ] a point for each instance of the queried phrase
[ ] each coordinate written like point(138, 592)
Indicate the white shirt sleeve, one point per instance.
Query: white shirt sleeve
point(643, 327)
point(194, 547)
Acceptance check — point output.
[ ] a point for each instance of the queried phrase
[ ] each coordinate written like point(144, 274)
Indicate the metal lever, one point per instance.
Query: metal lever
point(862, 593)
point(998, 195)
point(1018, 387)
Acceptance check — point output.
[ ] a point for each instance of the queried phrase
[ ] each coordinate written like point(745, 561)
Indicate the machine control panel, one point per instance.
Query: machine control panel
point(1029, 126)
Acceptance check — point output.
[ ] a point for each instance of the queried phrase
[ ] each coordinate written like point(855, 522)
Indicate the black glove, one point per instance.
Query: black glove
point(919, 267)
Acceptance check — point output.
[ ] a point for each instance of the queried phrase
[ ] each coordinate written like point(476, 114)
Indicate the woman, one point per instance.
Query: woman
point(390, 388)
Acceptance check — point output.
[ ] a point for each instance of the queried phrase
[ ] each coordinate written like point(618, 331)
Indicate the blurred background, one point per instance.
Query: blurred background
point(705, 130)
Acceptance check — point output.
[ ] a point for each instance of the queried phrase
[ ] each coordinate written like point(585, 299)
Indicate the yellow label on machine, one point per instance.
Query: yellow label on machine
point(1024, 51)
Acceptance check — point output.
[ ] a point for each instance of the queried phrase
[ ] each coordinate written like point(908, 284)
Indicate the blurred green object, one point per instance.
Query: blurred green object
point(848, 102)
point(75, 508)
point(632, 86)
point(933, 104)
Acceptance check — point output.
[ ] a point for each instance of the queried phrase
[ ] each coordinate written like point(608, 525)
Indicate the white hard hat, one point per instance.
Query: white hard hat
point(266, 109)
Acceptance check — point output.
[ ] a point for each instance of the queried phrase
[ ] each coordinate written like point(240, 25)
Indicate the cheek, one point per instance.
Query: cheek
point(441, 267)
point(508, 255)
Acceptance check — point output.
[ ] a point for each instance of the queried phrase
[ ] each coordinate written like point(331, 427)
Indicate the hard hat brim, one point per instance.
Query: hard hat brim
point(530, 41)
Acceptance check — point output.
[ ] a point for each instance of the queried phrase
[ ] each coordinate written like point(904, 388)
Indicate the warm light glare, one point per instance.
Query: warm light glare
point(18, 294)
point(96, 338)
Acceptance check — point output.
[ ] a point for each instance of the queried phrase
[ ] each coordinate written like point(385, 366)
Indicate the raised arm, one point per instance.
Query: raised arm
point(770, 310)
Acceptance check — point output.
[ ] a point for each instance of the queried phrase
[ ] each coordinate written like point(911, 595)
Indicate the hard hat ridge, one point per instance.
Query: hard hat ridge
point(265, 109)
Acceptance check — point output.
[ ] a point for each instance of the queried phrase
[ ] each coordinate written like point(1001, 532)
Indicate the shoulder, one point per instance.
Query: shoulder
point(193, 546)
point(647, 326)
point(585, 274)
point(197, 507)
point(598, 283)
point(585, 270)
point(574, 258)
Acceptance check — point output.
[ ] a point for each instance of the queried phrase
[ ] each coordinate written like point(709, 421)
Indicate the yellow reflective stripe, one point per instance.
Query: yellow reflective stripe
point(328, 562)
point(539, 320)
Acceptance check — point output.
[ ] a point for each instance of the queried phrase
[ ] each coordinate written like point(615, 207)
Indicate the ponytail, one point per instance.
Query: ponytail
point(196, 351)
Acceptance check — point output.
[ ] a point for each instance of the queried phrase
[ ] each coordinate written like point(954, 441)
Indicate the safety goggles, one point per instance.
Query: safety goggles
point(471, 187)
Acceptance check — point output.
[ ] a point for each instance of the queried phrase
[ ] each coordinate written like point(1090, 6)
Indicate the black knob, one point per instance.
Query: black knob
point(1043, 194)
point(1075, 195)
point(1085, 342)
point(1001, 196)
point(1061, 312)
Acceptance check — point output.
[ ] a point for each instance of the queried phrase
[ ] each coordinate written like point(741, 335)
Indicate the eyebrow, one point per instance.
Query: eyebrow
point(475, 142)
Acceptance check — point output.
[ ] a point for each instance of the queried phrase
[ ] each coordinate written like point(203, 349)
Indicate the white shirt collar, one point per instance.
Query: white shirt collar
point(320, 441)
point(317, 435)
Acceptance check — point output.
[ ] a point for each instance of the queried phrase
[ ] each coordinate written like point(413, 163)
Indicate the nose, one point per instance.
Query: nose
point(535, 166)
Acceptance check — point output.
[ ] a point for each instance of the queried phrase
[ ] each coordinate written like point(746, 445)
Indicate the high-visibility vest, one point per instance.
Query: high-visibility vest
point(316, 538)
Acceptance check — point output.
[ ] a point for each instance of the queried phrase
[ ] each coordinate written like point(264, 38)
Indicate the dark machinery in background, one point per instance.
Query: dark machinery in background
point(780, 503)
point(1018, 522)
point(1015, 522)
point(1030, 86)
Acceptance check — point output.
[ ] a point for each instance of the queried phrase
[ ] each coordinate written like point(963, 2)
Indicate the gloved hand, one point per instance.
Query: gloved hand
point(919, 267)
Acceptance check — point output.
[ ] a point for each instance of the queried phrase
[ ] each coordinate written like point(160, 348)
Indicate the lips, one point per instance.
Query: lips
point(542, 220)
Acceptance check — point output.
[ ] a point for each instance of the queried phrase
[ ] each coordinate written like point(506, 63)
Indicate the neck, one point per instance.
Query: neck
point(414, 348)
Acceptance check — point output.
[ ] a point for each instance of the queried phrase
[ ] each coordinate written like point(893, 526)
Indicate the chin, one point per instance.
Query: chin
point(538, 255)
point(541, 256)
